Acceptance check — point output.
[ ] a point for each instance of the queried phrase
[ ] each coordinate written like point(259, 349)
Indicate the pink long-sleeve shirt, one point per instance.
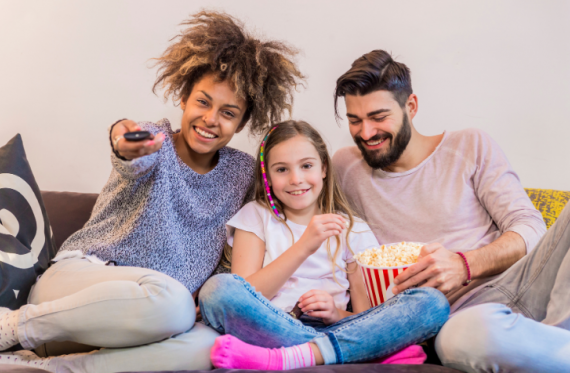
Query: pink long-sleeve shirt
point(464, 196)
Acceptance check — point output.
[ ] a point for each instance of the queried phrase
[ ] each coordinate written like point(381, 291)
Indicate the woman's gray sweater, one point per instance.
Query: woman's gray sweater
point(155, 212)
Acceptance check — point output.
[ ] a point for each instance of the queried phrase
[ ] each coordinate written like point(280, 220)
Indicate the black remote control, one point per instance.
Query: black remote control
point(136, 135)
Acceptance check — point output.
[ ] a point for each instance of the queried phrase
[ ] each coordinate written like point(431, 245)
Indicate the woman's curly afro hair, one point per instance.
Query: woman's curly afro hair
point(261, 72)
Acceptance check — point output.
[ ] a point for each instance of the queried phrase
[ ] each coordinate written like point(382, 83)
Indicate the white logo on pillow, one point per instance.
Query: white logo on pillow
point(8, 223)
point(11, 226)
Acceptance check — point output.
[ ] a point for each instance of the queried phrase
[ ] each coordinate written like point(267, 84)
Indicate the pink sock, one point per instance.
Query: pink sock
point(409, 355)
point(231, 353)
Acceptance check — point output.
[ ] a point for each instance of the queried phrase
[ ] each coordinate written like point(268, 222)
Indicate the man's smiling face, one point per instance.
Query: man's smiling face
point(379, 127)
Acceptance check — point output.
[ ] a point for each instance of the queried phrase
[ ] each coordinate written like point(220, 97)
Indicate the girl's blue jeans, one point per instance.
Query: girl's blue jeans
point(230, 305)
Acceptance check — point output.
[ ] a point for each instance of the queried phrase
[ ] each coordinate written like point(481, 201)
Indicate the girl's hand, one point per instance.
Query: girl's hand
point(134, 149)
point(319, 303)
point(320, 228)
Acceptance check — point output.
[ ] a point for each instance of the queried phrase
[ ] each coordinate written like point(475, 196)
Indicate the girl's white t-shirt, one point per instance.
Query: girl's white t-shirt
point(316, 271)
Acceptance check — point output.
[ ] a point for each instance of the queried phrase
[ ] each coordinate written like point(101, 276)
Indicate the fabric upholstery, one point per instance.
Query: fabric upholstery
point(67, 212)
point(549, 202)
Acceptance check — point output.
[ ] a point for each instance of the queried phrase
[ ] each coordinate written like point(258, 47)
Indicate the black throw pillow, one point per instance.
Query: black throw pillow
point(26, 241)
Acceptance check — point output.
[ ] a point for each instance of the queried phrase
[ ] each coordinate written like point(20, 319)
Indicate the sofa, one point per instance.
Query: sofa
point(69, 211)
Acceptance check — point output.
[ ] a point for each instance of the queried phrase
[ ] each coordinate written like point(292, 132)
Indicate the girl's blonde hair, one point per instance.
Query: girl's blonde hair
point(331, 200)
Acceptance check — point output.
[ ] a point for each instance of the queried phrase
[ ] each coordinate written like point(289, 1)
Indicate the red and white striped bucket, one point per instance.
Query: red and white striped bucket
point(380, 281)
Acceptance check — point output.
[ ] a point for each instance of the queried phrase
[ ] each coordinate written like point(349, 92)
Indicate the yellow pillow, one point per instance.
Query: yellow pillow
point(549, 202)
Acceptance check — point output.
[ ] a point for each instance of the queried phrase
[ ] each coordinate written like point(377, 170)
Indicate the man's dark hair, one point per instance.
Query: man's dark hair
point(374, 71)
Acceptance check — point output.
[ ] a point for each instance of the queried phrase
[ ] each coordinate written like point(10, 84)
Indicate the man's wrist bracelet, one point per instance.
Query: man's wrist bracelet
point(466, 266)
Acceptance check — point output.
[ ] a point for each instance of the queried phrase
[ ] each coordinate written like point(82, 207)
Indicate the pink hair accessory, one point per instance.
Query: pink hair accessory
point(274, 209)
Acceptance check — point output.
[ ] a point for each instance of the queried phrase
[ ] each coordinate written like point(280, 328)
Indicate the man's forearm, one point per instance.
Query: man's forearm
point(496, 257)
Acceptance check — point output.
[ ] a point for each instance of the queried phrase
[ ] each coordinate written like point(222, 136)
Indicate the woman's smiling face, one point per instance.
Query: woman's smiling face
point(212, 115)
point(296, 174)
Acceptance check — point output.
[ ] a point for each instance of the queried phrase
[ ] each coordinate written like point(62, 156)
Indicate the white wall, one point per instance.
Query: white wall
point(68, 69)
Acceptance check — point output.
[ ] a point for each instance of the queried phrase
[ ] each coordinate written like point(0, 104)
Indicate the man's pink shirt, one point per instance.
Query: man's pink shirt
point(464, 196)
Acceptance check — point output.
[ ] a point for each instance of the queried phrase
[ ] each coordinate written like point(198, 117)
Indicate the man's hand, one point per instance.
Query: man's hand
point(437, 267)
point(134, 149)
point(319, 303)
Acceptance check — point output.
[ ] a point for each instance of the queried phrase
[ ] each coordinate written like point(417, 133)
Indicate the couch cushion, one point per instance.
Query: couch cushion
point(68, 212)
point(549, 202)
point(26, 244)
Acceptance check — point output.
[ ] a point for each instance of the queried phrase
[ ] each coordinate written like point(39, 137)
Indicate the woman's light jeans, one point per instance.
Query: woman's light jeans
point(519, 322)
point(143, 317)
point(231, 305)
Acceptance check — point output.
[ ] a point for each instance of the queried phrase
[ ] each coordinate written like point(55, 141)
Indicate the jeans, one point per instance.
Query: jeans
point(519, 322)
point(230, 305)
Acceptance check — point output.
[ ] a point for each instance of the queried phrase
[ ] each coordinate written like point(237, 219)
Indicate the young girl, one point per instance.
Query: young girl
point(294, 245)
point(161, 216)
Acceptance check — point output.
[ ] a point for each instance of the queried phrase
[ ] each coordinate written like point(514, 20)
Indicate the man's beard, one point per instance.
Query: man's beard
point(397, 146)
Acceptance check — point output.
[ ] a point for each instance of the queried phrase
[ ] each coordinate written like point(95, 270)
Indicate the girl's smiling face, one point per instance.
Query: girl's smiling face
point(296, 173)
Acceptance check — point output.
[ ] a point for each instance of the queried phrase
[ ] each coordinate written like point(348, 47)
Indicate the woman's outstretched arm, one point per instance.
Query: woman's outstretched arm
point(133, 159)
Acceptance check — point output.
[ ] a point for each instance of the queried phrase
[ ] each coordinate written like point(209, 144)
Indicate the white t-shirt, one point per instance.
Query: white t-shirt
point(316, 271)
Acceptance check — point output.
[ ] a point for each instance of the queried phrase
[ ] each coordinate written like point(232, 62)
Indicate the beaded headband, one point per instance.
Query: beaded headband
point(265, 175)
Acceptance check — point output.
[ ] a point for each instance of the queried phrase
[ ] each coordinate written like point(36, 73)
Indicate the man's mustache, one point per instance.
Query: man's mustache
point(378, 137)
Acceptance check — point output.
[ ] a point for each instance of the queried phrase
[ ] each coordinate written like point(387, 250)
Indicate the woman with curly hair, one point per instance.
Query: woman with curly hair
point(160, 219)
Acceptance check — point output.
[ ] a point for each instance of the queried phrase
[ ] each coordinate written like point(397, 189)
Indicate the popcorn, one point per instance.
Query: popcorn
point(393, 255)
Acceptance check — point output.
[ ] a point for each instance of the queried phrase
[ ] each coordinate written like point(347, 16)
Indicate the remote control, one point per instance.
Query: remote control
point(136, 135)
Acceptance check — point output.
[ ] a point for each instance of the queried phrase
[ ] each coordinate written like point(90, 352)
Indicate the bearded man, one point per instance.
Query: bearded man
point(457, 193)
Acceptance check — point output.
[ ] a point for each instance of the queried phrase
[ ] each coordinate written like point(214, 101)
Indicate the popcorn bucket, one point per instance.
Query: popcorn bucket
point(380, 281)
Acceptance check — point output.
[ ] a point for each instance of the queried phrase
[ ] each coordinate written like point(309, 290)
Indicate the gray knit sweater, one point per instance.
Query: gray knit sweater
point(155, 212)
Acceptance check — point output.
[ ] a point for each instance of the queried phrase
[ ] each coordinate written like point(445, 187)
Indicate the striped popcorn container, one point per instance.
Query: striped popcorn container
point(380, 281)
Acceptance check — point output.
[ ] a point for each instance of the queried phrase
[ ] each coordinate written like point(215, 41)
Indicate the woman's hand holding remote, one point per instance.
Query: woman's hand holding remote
point(319, 229)
point(133, 149)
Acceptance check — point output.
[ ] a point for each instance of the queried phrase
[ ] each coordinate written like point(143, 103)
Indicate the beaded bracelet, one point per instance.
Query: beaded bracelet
point(468, 269)
point(264, 174)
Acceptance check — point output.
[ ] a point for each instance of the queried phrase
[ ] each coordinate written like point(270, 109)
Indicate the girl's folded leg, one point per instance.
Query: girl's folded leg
point(230, 305)
point(408, 318)
point(255, 328)
point(96, 305)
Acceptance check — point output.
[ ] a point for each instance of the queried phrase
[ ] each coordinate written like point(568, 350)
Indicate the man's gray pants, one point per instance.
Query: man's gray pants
point(519, 322)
